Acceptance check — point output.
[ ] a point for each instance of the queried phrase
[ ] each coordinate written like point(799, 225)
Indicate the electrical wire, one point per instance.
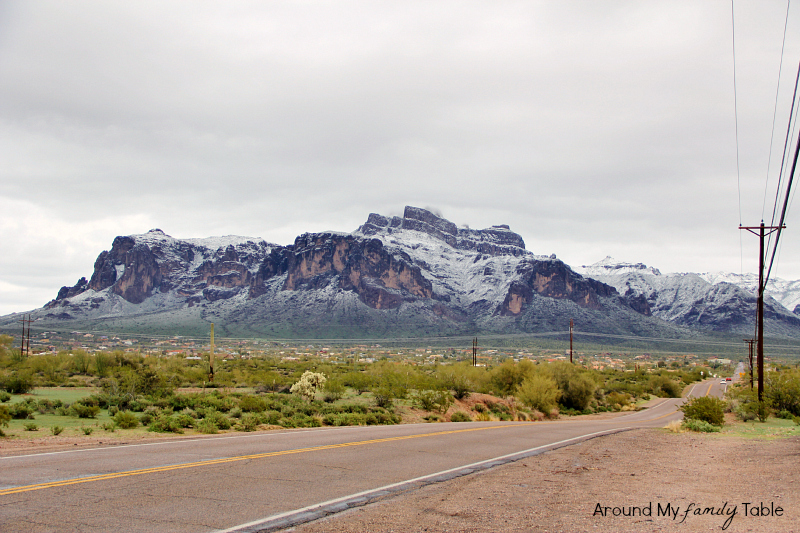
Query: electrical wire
point(775, 109)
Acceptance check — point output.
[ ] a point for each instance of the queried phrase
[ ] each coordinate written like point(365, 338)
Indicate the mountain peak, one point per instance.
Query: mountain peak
point(496, 240)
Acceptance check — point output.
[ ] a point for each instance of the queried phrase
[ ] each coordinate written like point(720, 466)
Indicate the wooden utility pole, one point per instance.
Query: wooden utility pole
point(475, 351)
point(211, 357)
point(570, 340)
point(750, 353)
point(762, 232)
point(25, 341)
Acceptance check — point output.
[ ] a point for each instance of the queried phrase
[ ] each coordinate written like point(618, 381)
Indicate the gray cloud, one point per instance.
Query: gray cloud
point(592, 128)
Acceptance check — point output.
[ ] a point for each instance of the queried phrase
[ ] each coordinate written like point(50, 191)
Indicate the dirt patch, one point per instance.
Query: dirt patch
point(635, 473)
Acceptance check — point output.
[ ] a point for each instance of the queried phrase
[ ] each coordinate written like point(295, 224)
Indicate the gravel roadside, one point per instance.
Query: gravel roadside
point(647, 473)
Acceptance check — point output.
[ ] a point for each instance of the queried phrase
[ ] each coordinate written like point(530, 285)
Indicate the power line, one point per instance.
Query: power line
point(775, 110)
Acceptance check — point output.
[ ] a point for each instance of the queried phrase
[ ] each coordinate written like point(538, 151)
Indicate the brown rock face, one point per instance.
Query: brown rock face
point(382, 280)
point(142, 274)
point(553, 279)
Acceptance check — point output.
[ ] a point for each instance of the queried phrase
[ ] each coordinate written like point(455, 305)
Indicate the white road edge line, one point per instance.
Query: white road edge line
point(334, 501)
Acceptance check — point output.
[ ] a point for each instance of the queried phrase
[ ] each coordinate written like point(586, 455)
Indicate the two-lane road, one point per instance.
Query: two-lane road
point(219, 482)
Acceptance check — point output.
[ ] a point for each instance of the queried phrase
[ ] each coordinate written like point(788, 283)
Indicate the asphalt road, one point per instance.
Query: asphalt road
point(234, 482)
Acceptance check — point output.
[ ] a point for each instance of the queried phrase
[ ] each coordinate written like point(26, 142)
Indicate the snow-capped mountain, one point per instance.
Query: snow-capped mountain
point(786, 292)
point(415, 275)
point(703, 301)
point(418, 274)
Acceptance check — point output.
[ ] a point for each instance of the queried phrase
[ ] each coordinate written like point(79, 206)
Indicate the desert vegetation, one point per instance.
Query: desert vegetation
point(125, 391)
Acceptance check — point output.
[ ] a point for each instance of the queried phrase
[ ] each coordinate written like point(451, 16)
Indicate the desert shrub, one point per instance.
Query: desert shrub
point(358, 381)
point(21, 411)
point(784, 414)
point(126, 420)
point(249, 422)
point(333, 390)
point(87, 430)
point(219, 419)
point(270, 417)
point(432, 418)
point(796, 420)
point(207, 426)
point(344, 419)
point(509, 376)
point(479, 408)
point(5, 417)
point(82, 410)
point(165, 424)
point(184, 420)
point(705, 408)
point(112, 410)
point(701, 426)
point(578, 391)
point(664, 387)
point(108, 426)
point(539, 392)
point(782, 390)
point(236, 412)
point(381, 418)
point(18, 383)
point(31, 426)
point(4, 396)
point(384, 396)
point(460, 416)
point(433, 400)
point(618, 398)
point(56, 430)
point(252, 404)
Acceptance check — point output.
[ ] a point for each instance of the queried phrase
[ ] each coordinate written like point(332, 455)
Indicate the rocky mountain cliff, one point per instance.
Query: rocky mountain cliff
point(415, 275)
point(418, 274)
point(701, 301)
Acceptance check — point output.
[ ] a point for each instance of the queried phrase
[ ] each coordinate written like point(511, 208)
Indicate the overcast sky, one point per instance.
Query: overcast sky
point(592, 128)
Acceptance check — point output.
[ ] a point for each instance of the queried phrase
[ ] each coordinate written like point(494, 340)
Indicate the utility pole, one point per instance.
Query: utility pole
point(22, 340)
point(570, 340)
point(211, 357)
point(475, 351)
point(762, 232)
point(750, 350)
point(28, 342)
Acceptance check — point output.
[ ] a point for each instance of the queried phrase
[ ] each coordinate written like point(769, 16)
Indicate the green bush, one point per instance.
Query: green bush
point(700, 425)
point(207, 426)
point(219, 419)
point(333, 390)
point(82, 410)
point(539, 392)
point(705, 408)
point(5, 417)
point(56, 430)
point(165, 424)
point(249, 422)
point(664, 387)
point(126, 420)
point(21, 411)
point(460, 416)
point(433, 400)
point(4, 396)
point(18, 383)
point(782, 390)
point(87, 430)
point(30, 426)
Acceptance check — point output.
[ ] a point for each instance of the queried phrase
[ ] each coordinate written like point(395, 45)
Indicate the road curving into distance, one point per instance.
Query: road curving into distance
point(266, 481)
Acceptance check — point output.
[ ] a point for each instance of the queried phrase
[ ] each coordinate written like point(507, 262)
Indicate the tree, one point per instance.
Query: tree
point(539, 392)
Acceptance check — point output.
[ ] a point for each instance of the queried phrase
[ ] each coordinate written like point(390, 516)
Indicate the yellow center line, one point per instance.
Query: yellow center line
point(709, 388)
point(157, 469)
